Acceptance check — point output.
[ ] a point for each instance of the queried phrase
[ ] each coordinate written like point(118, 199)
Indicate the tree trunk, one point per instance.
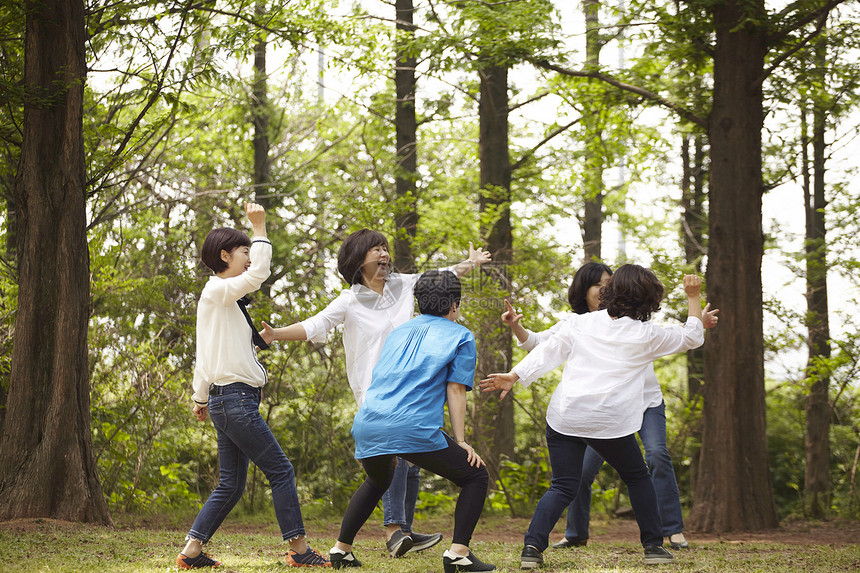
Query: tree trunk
point(260, 113)
point(47, 467)
point(406, 214)
point(733, 487)
point(693, 226)
point(592, 220)
point(817, 474)
point(493, 420)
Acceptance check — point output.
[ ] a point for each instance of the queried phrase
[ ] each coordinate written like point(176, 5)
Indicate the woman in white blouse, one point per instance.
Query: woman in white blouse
point(377, 301)
point(600, 400)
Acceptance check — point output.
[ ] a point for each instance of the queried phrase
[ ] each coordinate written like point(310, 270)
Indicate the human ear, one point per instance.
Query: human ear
point(225, 256)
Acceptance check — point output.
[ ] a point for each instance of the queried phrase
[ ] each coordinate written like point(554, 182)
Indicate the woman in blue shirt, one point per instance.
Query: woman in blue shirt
point(424, 362)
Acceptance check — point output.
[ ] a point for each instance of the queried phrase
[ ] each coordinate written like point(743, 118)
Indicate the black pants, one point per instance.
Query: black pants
point(451, 463)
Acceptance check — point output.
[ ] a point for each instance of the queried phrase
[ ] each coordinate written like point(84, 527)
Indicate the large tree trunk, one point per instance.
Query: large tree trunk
point(817, 474)
point(47, 468)
point(592, 218)
point(733, 487)
point(406, 213)
point(493, 420)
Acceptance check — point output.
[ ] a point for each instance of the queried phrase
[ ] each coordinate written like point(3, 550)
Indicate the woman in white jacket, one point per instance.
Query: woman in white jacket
point(600, 400)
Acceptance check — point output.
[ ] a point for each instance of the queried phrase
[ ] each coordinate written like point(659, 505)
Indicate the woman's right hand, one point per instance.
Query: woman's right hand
point(472, 455)
point(510, 317)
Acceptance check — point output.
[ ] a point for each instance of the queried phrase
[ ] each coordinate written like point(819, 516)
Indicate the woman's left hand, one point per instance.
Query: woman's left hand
point(472, 455)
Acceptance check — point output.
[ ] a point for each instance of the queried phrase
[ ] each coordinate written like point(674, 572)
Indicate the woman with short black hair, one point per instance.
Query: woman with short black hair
point(377, 301)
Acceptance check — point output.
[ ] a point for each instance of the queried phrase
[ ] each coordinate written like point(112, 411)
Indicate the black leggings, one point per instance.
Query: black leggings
point(451, 463)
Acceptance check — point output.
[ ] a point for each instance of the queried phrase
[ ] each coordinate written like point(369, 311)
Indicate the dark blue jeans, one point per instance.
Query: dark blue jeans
point(398, 502)
point(653, 436)
point(243, 435)
point(566, 455)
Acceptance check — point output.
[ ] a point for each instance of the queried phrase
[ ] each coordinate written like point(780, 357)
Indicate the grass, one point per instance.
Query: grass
point(150, 545)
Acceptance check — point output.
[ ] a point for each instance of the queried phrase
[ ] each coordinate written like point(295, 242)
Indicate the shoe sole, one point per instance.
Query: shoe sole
point(426, 544)
point(658, 560)
point(402, 548)
point(530, 564)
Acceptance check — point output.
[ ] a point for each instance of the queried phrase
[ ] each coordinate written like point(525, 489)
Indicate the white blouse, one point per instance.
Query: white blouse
point(367, 319)
point(225, 350)
point(652, 394)
point(601, 393)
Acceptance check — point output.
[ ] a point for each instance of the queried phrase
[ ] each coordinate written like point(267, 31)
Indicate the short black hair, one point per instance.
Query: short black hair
point(221, 239)
point(632, 291)
point(436, 292)
point(586, 277)
point(352, 251)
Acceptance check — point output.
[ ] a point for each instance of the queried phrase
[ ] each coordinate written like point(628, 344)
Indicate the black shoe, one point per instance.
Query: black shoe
point(565, 543)
point(452, 563)
point(399, 544)
point(655, 554)
point(341, 560)
point(421, 541)
point(530, 558)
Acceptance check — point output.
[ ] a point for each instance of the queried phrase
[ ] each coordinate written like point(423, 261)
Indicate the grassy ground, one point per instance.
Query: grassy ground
point(150, 545)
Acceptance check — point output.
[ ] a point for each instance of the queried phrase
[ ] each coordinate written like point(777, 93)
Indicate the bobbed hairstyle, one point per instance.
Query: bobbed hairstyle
point(586, 277)
point(222, 239)
point(352, 251)
point(632, 291)
point(436, 292)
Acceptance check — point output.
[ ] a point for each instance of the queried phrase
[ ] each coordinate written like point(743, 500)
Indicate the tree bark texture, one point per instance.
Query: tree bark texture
point(592, 219)
point(493, 420)
point(733, 487)
point(818, 412)
point(406, 213)
point(47, 467)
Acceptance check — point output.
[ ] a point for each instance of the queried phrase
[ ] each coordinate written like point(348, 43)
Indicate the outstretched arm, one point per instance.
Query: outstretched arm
point(476, 259)
point(499, 381)
point(457, 413)
point(292, 332)
point(512, 320)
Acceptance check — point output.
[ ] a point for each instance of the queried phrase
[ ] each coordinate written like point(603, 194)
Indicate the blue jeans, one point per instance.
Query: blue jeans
point(566, 454)
point(243, 435)
point(398, 502)
point(653, 436)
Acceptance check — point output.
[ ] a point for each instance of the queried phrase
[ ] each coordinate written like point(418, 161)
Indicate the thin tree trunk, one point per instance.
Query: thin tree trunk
point(693, 225)
point(260, 114)
point(817, 474)
point(733, 486)
point(406, 213)
point(47, 467)
point(494, 419)
point(592, 219)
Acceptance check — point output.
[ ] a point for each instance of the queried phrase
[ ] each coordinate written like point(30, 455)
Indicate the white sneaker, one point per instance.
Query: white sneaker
point(677, 541)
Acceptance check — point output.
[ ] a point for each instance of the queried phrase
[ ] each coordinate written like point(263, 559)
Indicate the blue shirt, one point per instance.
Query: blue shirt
point(403, 410)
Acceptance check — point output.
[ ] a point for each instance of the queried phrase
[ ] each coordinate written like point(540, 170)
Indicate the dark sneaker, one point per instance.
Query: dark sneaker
point(655, 554)
point(453, 563)
point(565, 543)
point(399, 544)
point(339, 559)
point(530, 558)
point(421, 541)
point(678, 541)
point(202, 560)
point(309, 558)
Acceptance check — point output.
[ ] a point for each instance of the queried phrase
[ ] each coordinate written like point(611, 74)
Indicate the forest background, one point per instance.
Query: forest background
point(131, 129)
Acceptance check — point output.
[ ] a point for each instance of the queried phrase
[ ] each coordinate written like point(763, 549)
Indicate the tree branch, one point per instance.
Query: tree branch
point(543, 142)
point(656, 98)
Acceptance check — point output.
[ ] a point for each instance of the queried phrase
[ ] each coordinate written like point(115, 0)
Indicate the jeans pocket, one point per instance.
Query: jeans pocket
point(218, 414)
